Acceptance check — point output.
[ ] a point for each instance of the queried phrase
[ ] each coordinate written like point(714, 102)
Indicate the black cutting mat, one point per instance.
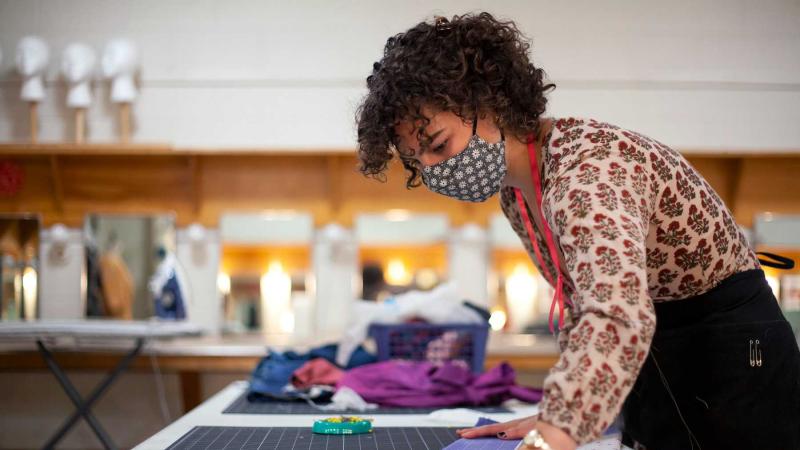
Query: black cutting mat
point(242, 406)
point(301, 438)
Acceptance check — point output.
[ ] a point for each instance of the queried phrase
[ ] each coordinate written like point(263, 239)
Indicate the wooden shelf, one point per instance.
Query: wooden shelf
point(156, 148)
point(63, 182)
point(165, 148)
point(105, 149)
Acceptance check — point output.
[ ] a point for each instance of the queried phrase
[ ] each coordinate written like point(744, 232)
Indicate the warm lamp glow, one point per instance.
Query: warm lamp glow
point(521, 288)
point(29, 289)
point(521, 284)
point(276, 292)
point(276, 278)
point(397, 273)
point(224, 283)
point(775, 284)
point(498, 319)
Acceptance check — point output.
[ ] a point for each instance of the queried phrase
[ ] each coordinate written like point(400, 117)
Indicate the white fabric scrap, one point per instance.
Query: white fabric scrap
point(456, 416)
point(346, 398)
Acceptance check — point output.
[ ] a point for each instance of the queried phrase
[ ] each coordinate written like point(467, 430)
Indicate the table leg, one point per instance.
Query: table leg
point(191, 390)
point(84, 408)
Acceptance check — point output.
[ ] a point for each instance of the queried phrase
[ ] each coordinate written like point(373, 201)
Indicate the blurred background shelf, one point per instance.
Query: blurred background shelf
point(63, 182)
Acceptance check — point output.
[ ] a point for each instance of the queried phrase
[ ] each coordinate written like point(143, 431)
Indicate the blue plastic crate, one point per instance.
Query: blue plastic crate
point(432, 342)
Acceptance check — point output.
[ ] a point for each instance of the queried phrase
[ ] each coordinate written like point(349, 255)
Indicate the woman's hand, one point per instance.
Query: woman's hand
point(517, 429)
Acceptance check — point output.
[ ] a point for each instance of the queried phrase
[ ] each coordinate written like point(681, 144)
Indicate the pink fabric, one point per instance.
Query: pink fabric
point(422, 385)
point(316, 371)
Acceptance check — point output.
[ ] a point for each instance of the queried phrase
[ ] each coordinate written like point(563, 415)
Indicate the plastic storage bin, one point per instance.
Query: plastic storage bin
point(432, 342)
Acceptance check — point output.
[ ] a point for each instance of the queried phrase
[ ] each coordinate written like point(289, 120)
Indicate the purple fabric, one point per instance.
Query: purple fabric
point(424, 385)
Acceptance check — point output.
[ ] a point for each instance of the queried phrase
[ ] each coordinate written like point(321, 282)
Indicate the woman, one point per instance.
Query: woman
point(664, 313)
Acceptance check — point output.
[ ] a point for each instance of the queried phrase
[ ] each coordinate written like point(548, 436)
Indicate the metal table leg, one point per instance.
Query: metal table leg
point(84, 408)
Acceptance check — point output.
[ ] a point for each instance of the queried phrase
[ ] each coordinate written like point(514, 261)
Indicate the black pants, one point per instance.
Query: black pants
point(707, 384)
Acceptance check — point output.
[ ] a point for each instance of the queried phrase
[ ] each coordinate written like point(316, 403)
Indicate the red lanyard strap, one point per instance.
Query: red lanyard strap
point(558, 297)
point(523, 211)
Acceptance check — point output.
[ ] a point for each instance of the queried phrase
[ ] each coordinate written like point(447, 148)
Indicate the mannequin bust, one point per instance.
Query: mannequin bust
point(120, 62)
point(32, 58)
point(77, 66)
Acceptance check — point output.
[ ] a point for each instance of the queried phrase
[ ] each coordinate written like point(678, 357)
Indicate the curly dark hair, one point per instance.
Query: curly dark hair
point(470, 65)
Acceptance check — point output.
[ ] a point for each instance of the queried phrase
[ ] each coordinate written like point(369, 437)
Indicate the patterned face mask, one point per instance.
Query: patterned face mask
point(473, 175)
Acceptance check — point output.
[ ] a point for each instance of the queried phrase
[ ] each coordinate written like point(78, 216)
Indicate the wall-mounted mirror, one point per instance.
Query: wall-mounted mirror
point(131, 270)
point(519, 295)
point(399, 251)
point(780, 234)
point(265, 271)
point(19, 266)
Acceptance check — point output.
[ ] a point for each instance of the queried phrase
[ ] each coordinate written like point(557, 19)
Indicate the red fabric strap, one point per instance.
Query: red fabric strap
point(558, 297)
point(528, 226)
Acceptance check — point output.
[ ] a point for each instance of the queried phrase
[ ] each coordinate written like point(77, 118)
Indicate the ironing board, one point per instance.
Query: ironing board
point(132, 334)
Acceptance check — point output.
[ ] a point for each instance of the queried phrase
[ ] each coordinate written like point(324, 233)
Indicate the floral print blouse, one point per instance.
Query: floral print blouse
point(636, 224)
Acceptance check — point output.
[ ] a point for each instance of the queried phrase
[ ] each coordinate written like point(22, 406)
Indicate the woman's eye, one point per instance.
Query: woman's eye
point(440, 148)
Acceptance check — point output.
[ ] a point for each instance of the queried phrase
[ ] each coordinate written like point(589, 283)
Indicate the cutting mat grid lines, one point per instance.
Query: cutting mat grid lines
point(301, 438)
point(242, 406)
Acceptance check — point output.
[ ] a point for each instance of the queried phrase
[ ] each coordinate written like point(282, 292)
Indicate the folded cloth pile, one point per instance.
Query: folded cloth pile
point(274, 372)
point(423, 384)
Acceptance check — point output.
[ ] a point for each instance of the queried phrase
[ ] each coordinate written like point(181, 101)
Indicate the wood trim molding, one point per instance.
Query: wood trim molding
point(82, 361)
point(58, 190)
point(64, 182)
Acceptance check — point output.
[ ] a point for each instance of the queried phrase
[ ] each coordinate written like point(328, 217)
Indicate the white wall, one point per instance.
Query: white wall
point(698, 75)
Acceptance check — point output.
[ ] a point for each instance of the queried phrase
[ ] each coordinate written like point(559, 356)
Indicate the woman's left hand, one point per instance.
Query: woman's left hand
point(517, 429)
point(514, 429)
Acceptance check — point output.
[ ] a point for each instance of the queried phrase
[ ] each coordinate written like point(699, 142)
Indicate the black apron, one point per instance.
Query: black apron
point(723, 372)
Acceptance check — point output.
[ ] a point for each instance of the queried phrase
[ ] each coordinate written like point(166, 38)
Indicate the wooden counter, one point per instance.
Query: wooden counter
point(192, 357)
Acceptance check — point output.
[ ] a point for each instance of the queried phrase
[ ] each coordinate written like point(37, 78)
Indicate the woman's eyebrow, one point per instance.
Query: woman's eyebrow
point(416, 152)
point(432, 138)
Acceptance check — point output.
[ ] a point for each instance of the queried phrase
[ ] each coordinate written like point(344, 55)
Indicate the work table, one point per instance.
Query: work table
point(190, 357)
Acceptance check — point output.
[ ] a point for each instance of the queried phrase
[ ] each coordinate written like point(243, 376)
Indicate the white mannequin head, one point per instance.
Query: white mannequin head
point(32, 58)
point(77, 66)
point(77, 63)
point(120, 62)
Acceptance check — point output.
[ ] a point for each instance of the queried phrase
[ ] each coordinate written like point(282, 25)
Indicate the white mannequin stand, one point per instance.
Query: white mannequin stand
point(32, 57)
point(120, 63)
point(77, 65)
